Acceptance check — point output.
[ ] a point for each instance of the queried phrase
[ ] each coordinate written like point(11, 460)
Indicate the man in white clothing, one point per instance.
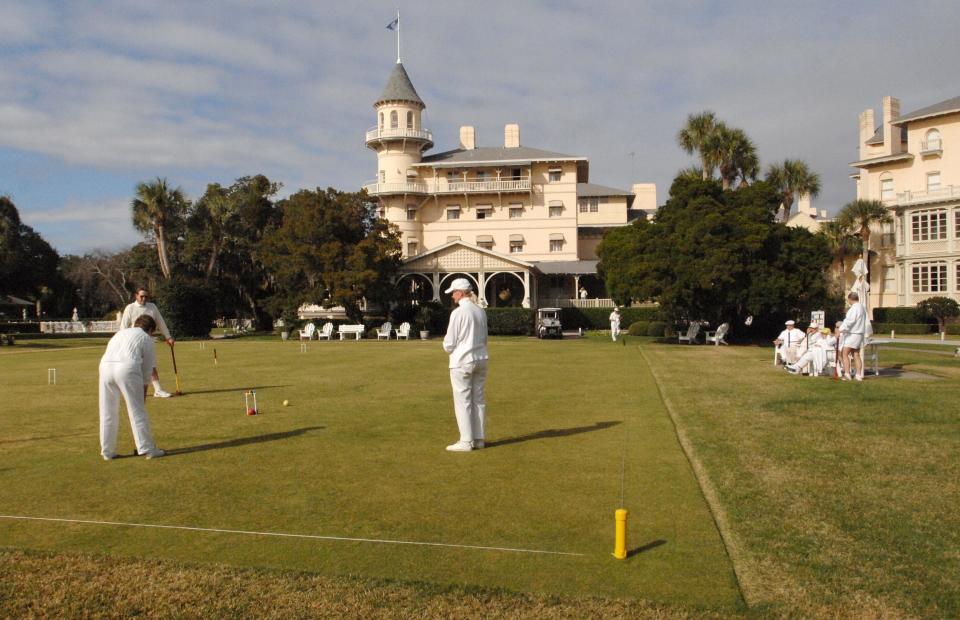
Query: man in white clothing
point(124, 369)
point(466, 342)
point(854, 329)
point(137, 308)
point(787, 343)
point(815, 358)
point(615, 323)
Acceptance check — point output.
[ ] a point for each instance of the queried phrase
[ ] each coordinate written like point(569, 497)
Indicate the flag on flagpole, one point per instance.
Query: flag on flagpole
point(393, 25)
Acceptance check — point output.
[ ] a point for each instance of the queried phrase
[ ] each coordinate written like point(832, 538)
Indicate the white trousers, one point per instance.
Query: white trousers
point(816, 357)
point(469, 405)
point(614, 330)
point(118, 378)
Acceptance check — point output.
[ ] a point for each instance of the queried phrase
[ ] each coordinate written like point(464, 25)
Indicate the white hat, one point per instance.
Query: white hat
point(790, 323)
point(459, 284)
point(814, 325)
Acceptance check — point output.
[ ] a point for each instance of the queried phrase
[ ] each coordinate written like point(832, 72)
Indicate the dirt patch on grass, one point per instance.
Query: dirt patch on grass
point(40, 585)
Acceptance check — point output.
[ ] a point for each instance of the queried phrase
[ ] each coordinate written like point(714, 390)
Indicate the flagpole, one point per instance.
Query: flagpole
point(398, 36)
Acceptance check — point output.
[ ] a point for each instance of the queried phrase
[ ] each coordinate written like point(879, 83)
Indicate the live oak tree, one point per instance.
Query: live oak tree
point(940, 308)
point(331, 247)
point(717, 255)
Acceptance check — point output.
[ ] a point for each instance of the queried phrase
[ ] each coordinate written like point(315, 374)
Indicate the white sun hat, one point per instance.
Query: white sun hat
point(790, 323)
point(460, 284)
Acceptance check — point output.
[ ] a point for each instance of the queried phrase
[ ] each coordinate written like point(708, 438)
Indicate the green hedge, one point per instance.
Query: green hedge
point(901, 315)
point(953, 329)
point(19, 327)
point(599, 318)
point(187, 306)
point(639, 328)
point(881, 329)
point(512, 321)
point(657, 329)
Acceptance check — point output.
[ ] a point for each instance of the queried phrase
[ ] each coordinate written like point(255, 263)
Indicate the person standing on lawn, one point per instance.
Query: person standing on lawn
point(854, 328)
point(124, 369)
point(615, 323)
point(139, 307)
point(466, 342)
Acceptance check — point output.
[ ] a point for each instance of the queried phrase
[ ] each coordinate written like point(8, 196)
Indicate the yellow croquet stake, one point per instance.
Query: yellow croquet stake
point(620, 545)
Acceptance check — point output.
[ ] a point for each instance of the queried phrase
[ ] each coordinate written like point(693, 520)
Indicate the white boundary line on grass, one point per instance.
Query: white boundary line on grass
point(286, 535)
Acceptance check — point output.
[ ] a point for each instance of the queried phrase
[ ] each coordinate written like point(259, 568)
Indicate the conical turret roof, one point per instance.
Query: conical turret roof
point(400, 88)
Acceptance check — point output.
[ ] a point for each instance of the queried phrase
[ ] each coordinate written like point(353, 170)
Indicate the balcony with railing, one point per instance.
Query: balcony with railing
point(943, 194)
point(376, 134)
point(443, 186)
point(933, 146)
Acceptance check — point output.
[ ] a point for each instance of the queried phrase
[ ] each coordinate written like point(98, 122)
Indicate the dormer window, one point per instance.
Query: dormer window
point(931, 142)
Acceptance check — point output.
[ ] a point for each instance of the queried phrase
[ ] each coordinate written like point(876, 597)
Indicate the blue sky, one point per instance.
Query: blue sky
point(97, 96)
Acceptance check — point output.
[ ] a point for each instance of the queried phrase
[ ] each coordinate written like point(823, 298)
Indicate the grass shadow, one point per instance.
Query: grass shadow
point(644, 548)
point(44, 438)
point(243, 441)
point(552, 432)
point(236, 389)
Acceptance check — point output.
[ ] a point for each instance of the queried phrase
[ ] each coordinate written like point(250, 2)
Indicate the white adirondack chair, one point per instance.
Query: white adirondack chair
point(325, 332)
point(307, 333)
point(403, 331)
point(691, 336)
point(384, 331)
point(717, 336)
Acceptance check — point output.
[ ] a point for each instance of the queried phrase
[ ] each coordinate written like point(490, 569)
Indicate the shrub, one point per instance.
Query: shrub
point(639, 328)
point(903, 328)
point(187, 307)
point(19, 327)
point(900, 315)
point(599, 318)
point(953, 329)
point(510, 321)
point(656, 329)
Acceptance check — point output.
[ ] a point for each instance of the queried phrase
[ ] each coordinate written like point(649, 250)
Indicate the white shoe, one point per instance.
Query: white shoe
point(161, 394)
point(858, 378)
point(155, 453)
point(791, 369)
point(478, 444)
point(460, 446)
point(109, 457)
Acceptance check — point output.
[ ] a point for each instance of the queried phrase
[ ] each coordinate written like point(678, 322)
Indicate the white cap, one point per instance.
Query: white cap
point(790, 323)
point(814, 325)
point(459, 284)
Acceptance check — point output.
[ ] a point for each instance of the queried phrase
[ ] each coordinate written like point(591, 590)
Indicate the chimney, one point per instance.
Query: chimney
point(867, 127)
point(467, 138)
point(891, 134)
point(645, 197)
point(511, 136)
point(804, 206)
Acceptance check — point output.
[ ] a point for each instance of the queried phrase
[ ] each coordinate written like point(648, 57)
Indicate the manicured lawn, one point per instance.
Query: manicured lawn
point(359, 454)
point(841, 498)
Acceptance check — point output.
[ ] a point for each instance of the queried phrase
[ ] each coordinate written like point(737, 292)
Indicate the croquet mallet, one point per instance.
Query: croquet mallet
point(175, 373)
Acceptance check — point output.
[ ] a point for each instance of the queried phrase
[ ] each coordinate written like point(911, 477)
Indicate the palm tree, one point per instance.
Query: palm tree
point(793, 178)
point(155, 209)
point(735, 154)
point(843, 242)
point(859, 215)
point(696, 135)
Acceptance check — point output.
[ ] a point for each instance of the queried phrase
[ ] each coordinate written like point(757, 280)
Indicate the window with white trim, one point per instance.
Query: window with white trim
point(556, 245)
point(412, 248)
point(411, 213)
point(932, 141)
point(889, 279)
point(956, 226)
point(394, 122)
point(381, 120)
point(929, 277)
point(481, 175)
point(453, 213)
point(453, 177)
point(516, 247)
point(409, 120)
point(383, 176)
point(886, 187)
point(929, 225)
point(933, 181)
point(517, 212)
point(555, 174)
point(486, 245)
point(484, 212)
point(556, 211)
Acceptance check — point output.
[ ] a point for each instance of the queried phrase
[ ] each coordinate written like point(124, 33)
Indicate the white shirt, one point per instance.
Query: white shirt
point(790, 337)
point(134, 310)
point(466, 339)
point(856, 320)
point(615, 317)
point(132, 345)
point(827, 343)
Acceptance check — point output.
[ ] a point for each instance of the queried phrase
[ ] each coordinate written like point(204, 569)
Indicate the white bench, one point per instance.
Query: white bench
point(356, 330)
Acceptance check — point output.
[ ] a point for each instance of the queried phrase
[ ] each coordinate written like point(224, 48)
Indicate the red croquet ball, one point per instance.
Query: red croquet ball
point(251, 412)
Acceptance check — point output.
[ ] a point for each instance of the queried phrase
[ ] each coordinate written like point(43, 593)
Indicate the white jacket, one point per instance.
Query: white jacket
point(133, 311)
point(466, 339)
point(132, 346)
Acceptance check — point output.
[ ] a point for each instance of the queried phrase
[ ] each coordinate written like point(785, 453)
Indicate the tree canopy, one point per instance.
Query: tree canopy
point(717, 255)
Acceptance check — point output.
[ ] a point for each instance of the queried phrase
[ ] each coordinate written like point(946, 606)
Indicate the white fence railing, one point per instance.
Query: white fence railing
point(447, 187)
point(375, 133)
point(79, 327)
point(920, 196)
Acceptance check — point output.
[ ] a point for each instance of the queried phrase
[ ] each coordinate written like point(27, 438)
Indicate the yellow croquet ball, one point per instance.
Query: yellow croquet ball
point(286, 402)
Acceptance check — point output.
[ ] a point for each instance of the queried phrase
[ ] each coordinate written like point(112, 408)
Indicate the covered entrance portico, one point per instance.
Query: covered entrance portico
point(499, 280)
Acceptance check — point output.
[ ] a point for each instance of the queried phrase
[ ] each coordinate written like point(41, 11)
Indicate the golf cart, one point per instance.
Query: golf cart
point(548, 323)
